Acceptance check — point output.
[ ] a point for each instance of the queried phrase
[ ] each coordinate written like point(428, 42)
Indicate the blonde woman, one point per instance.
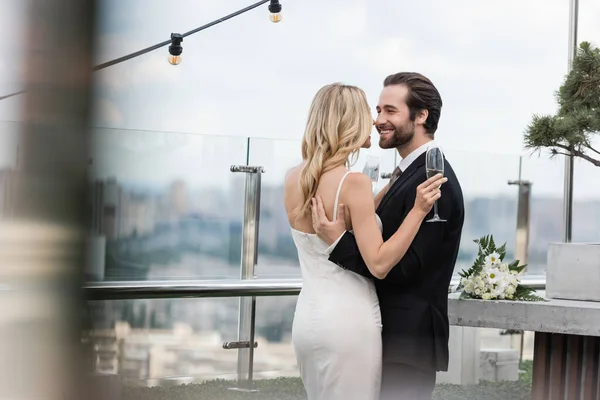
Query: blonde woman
point(337, 324)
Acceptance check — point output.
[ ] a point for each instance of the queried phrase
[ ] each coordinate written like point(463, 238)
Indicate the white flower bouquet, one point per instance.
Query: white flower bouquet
point(490, 278)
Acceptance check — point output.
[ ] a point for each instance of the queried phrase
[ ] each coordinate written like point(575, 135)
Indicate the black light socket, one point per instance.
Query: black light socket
point(175, 49)
point(274, 7)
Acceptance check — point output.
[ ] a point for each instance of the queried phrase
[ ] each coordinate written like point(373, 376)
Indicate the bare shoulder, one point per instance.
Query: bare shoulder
point(291, 191)
point(358, 181)
point(357, 189)
point(292, 175)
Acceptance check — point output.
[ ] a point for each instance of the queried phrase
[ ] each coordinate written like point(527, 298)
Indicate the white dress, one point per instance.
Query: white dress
point(337, 326)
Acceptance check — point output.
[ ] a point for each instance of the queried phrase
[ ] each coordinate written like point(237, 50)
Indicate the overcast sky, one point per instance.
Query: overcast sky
point(495, 63)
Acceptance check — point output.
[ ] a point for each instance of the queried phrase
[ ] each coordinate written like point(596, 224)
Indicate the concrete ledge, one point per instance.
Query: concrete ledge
point(554, 316)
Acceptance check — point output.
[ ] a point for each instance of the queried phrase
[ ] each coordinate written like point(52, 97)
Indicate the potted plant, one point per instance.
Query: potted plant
point(573, 269)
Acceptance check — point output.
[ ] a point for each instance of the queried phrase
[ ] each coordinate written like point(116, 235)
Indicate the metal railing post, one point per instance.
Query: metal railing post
point(569, 160)
point(523, 211)
point(245, 344)
point(522, 237)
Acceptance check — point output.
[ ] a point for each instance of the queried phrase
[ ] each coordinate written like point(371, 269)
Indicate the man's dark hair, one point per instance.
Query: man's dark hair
point(422, 95)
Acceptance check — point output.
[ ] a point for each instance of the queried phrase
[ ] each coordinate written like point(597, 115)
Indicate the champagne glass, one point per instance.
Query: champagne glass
point(371, 169)
point(434, 164)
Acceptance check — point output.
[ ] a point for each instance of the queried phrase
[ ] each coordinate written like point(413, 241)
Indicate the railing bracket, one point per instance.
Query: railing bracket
point(238, 345)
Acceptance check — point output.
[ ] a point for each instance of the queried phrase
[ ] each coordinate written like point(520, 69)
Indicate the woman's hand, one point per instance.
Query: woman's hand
point(427, 194)
point(328, 231)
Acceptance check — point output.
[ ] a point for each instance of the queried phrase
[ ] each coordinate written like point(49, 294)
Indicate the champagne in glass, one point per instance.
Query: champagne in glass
point(371, 169)
point(434, 164)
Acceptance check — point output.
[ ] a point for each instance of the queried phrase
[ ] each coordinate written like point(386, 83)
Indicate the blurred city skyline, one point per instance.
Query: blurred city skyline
point(495, 64)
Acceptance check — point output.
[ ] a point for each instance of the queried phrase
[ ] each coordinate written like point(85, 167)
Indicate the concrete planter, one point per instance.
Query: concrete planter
point(573, 271)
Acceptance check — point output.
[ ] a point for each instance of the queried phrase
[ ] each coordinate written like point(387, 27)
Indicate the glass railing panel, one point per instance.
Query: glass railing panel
point(165, 205)
point(162, 342)
point(277, 254)
point(275, 357)
point(9, 143)
point(9, 148)
point(490, 202)
point(547, 175)
point(546, 219)
point(586, 201)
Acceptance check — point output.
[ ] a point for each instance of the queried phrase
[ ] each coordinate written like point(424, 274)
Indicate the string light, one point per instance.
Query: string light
point(175, 49)
point(275, 10)
point(175, 59)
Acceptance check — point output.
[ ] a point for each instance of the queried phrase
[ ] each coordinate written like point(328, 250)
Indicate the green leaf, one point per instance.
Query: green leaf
point(525, 293)
point(464, 296)
point(502, 251)
point(520, 268)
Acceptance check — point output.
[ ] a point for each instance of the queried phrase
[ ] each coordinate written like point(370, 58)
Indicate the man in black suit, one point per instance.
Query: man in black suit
point(413, 297)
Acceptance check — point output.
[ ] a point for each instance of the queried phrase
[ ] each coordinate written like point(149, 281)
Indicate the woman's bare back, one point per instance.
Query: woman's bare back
point(327, 189)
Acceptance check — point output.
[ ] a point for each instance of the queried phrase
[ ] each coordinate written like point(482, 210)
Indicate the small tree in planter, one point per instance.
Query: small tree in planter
point(578, 118)
point(573, 270)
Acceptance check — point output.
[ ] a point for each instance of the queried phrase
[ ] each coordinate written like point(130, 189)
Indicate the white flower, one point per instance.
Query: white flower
point(479, 282)
point(492, 259)
point(492, 275)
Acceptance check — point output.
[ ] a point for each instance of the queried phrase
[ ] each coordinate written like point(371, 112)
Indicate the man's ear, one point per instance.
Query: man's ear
point(421, 117)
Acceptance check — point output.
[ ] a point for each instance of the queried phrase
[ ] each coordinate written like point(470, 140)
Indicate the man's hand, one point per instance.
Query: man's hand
point(327, 230)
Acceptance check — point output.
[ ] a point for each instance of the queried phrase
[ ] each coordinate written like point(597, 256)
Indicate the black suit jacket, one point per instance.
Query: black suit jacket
point(414, 296)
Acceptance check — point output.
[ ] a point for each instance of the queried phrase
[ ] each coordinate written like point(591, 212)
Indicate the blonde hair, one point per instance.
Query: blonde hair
point(339, 123)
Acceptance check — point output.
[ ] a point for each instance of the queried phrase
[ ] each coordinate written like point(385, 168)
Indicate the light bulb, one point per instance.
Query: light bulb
point(275, 17)
point(275, 10)
point(174, 60)
point(175, 49)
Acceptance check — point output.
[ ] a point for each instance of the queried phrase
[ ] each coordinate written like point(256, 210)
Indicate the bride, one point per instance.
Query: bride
point(337, 325)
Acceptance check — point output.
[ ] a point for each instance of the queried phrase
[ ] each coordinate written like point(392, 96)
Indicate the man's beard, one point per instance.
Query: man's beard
point(401, 136)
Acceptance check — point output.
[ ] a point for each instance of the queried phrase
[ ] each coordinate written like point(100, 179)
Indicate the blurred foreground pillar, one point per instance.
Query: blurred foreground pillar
point(42, 237)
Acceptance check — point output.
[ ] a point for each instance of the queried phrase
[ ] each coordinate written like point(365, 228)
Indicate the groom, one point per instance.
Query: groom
point(414, 295)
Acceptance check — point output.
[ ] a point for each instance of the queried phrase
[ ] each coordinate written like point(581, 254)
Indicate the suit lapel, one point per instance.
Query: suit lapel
point(401, 181)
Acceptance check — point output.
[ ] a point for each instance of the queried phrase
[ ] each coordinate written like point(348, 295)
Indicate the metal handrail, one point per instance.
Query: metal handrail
point(131, 290)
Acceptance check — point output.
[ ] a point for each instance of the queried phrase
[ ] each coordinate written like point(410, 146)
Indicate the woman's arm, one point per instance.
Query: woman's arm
point(380, 256)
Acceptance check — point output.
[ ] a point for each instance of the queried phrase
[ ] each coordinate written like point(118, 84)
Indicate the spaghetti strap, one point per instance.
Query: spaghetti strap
point(337, 195)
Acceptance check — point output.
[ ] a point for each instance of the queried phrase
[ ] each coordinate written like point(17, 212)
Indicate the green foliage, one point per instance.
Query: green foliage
point(292, 389)
point(524, 293)
point(526, 374)
point(487, 246)
point(269, 389)
point(484, 391)
point(578, 118)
